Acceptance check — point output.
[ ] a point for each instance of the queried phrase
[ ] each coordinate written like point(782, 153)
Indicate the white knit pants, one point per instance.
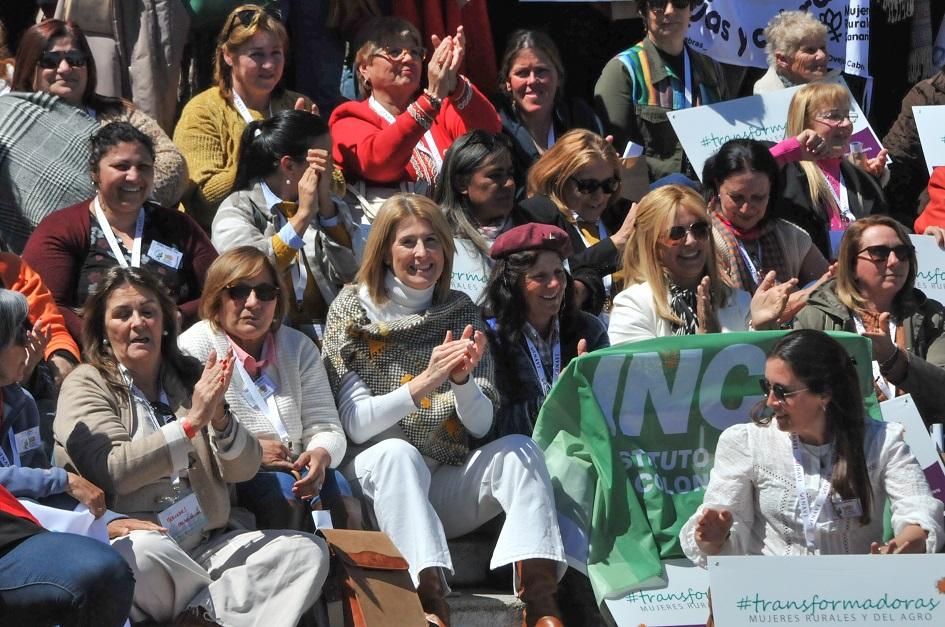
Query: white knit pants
point(242, 578)
point(420, 503)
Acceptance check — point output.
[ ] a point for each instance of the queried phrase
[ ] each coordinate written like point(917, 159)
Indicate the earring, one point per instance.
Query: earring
point(105, 342)
point(164, 332)
point(288, 181)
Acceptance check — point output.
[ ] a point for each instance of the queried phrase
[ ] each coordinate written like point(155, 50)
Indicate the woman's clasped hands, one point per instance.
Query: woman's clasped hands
point(453, 360)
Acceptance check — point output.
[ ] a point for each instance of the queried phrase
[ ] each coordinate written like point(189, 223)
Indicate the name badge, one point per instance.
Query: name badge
point(184, 520)
point(849, 508)
point(265, 387)
point(28, 440)
point(165, 255)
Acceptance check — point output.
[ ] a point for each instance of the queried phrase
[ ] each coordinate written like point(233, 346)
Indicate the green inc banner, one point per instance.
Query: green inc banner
point(629, 434)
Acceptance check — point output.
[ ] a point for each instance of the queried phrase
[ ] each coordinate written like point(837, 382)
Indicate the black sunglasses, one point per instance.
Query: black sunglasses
point(52, 59)
point(660, 5)
point(780, 392)
point(263, 291)
point(677, 234)
point(880, 252)
point(589, 186)
point(248, 17)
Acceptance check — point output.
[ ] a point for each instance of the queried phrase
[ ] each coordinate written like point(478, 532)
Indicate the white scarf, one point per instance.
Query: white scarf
point(403, 300)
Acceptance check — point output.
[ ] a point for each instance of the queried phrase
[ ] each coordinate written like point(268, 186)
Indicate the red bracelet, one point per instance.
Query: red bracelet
point(189, 430)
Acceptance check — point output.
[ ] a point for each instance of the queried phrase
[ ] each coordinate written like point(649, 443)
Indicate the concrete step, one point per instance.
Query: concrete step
point(475, 607)
point(471, 554)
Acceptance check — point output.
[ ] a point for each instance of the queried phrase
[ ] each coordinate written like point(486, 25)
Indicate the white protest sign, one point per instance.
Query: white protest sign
point(930, 267)
point(79, 521)
point(703, 130)
point(684, 600)
point(930, 122)
point(902, 409)
point(829, 590)
point(732, 31)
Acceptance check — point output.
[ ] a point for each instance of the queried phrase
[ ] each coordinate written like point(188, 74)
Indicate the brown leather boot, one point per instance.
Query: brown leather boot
point(433, 597)
point(537, 585)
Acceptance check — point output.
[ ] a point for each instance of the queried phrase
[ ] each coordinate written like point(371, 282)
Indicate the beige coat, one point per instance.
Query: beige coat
point(94, 429)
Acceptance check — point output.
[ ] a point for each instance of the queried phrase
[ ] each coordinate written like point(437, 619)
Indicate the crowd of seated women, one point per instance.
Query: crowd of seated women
point(279, 313)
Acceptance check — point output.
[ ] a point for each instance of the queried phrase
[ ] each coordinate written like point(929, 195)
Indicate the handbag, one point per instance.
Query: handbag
point(368, 582)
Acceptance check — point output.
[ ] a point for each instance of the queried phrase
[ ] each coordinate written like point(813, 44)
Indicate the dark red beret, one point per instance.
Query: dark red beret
point(532, 236)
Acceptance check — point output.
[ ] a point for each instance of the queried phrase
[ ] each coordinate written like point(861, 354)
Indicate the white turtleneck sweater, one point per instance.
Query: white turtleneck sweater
point(368, 417)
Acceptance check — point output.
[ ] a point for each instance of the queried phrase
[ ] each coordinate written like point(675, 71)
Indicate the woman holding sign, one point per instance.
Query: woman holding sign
point(874, 295)
point(280, 390)
point(811, 473)
point(151, 428)
point(673, 283)
point(73, 248)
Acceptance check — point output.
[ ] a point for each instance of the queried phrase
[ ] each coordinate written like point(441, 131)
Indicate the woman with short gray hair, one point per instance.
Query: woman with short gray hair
point(796, 49)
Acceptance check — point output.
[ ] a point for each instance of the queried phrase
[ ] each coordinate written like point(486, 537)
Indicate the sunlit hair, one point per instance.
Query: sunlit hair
point(265, 142)
point(571, 152)
point(13, 315)
point(739, 156)
point(379, 33)
point(848, 290)
point(94, 318)
point(36, 40)
point(641, 259)
point(233, 266)
point(234, 34)
point(537, 41)
point(374, 266)
point(465, 156)
point(809, 100)
point(786, 30)
point(824, 367)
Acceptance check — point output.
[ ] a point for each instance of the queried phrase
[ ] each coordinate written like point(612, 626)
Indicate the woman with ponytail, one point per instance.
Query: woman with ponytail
point(283, 206)
point(812, 426)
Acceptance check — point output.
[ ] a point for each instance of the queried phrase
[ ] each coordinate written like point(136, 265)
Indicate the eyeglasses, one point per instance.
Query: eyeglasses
point(264, 291)
point(880, 252)
point(659, 6)
point(677, 234)
point(247, 18)
point(52, 59)
point(780, 392)
point(589, 186)
point(836, 117)
point(399, 53)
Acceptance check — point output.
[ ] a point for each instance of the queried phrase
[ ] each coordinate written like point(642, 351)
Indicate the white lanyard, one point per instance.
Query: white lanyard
point(887, 388)
point(267, 406)
point(843, 198)
point(426, 143)
point(4, 460)
point(755, 273)
point(243, 110)
point(555, 361)
point(602, 235)
point(298, 271)
point(174, 476)
point(809, 515)
point(113, 242)
point(687, 71)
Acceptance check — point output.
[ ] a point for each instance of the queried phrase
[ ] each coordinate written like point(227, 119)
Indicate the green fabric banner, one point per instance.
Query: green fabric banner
point(629, 434)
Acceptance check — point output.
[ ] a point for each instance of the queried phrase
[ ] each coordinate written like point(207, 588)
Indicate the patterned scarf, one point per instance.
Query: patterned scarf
point(763, 242)
point(386, 355)
point(683, 303)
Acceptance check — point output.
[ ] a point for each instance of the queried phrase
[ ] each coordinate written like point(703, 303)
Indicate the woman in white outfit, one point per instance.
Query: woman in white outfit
point(407, 360)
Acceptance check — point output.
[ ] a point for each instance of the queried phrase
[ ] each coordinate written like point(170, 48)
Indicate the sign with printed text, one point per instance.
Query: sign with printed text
point(703, 130)
point(930, 267)
point(829, 591)
point(732, 31)
point(930, 123)
point(903, 410)
point(684, 600)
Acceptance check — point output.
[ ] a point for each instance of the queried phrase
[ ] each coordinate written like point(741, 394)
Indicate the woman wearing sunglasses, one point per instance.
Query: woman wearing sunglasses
point(811, 474)
point(73, 248)
point(247, 72)
point(280, 391)
point(641, 85)
point(54, 58)
point(823, 190)
point(152, 428)
point(874, 295)
point(395, 138)
point(742, 183)
point(673, 283)
point(575, 185)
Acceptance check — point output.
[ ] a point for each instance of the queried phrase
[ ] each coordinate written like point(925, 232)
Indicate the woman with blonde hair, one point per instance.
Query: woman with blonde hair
point(823, 190)
point(673, 283)
point(575, 185)
point(407, 361)
point(247, 69)
point(797, 51)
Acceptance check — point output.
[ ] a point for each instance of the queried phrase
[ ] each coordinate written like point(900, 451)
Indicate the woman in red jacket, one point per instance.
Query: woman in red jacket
point(396, 137)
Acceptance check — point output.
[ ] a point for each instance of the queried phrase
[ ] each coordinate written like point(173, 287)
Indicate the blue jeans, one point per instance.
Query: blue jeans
point(269, 496)
point(62, 578)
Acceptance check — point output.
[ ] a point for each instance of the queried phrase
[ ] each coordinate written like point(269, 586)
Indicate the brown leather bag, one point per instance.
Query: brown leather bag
point(368, 582)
